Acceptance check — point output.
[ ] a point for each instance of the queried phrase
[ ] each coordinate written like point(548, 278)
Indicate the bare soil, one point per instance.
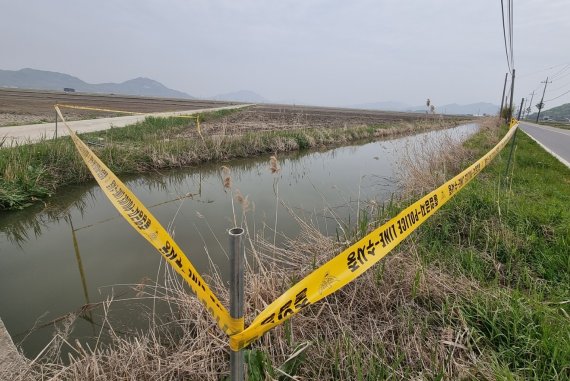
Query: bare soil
point(285, 117)
point(19, 107)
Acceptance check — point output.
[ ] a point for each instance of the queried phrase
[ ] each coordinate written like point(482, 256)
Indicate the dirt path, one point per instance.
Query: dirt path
point(35, 132)
point(31, 107)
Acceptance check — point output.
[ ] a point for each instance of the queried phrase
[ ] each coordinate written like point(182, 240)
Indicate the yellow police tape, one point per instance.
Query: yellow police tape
point(98, 109)
point(122, 111)
point(330, 277)
point(355, 260)
point(148, 226)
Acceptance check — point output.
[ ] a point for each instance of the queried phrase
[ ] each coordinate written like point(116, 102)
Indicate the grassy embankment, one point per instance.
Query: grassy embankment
point(480, 291)
point(565, 126)
point(34, 172)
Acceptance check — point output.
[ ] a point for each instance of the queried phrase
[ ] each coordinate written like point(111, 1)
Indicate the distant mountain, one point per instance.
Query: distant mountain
point(384, 106)
point(479, 108)
point(560, 113)
point(241, 96)
point(451, 109)
point(49, 80)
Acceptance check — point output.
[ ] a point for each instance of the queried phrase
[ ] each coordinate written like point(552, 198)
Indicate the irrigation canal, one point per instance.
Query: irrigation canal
point(78, 250)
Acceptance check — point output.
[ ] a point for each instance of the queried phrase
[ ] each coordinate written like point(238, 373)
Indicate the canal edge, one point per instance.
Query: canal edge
point(10, 358)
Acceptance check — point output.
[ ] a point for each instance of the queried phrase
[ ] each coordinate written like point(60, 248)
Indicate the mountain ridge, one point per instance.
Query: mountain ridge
point(478, 108)
point(241, 96)
point(559, 113)
point(28, 78)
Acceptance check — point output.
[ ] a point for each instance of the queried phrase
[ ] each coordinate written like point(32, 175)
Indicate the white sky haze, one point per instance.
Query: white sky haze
point(313, 52)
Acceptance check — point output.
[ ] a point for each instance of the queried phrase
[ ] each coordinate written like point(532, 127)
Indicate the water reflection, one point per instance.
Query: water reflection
point(87, 314)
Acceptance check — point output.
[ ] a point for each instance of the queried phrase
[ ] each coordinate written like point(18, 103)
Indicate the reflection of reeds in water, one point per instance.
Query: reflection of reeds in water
point(19, 224)
point(275, 169)
point(274, 164)
point(89, 315)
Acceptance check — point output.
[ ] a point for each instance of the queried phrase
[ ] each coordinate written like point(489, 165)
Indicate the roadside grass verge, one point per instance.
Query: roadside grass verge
point(552, 123)
point(32, 172)
point(509, 234)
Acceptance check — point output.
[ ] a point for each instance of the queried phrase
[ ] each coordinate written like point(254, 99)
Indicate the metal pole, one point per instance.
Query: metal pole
point(56, 124)
point(237, 257)
point(510, 113)
point(503, 96)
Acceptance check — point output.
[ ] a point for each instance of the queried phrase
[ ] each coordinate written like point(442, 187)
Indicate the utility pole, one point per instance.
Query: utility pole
point(503, 96)
point(542, 99)
point(521, 108)
point(530, 104)
point(513, 143)
point(510, 113)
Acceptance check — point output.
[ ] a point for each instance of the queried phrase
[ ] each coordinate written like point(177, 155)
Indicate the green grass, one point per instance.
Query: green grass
point(34, 172)
point(511, 237)
point(551, 123)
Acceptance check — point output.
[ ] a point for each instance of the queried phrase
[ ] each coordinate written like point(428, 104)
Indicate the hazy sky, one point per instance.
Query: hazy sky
point(315, 52)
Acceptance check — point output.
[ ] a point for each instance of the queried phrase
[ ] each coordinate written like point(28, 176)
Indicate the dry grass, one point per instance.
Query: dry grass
point(394, 319)
point(397, 321)
point(426, 166)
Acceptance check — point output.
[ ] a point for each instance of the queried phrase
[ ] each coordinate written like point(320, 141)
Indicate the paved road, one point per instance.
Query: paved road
point(35, 132)
point(554, 140)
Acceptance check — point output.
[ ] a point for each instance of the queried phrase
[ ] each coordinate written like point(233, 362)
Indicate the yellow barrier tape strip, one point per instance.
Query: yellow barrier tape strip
point(122, 111)
point(361, 256)
point(148, 226)
point(97, 109)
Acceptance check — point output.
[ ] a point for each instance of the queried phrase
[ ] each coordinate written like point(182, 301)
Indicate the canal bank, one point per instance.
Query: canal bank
point(11, 360)
point(33, 173)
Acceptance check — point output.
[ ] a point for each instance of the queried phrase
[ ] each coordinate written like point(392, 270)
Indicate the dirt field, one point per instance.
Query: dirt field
point(19, 107)
point(284, 117)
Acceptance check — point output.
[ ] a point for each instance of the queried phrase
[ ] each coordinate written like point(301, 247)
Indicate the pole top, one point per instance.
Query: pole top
point(236, 231)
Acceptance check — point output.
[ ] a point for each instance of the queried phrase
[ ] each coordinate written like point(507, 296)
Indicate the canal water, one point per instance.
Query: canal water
point(76, 250)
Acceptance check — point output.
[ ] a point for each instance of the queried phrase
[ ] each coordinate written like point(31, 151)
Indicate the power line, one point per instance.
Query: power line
point(561, 87)
point(548, 100)
point(559, 72)
point(511, 33)
point(505, 35)
point(563, 75)
point(541, 70)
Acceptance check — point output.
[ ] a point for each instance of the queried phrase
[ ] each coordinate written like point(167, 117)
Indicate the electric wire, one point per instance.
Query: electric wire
point(559, 73)
point(561, 87)
point(511, 32)
point(540, 71)
point(505, 36)
point(551, 99)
